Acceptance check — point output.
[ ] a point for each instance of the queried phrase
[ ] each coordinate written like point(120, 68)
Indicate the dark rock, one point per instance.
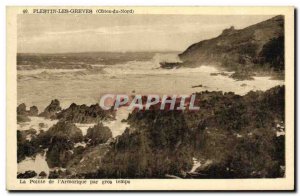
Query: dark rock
point(22, 113)
point(30, 131)
point(42, 125)
point(60, 174)
point(61, 129)
point(170, 65)
point(244, 75)
point(214, 171)
point(26, 148)
point(21, 109)
point(51, 110)
point(67, 129)
point(257, 48)
point(124, 120)
point(98, 134)
point(59, 152)
point(155, 144)
point(85, 114)
point(60, 139)
point(27, 174)
point(234, 135)
point(53, 175)
point(229, 31)
point(196, 86)
point(89, 161)
point(79, 150)
point(43, 174)
point(230, 129)
point(33, 111)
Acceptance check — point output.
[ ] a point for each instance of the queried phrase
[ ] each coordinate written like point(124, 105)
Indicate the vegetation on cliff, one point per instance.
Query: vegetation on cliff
point(255, 49)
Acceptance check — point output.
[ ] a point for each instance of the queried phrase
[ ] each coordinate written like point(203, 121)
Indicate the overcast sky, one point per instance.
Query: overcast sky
point(84, 33)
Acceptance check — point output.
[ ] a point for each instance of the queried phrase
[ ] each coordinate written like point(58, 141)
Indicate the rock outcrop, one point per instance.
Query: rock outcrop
point(27, 174)
point(67, 130)
point(85, 114)
point(232, 136)
point(60, 140)
point(42, 174)
point(259, 47)
point(33, 111)
point(51, 110)
point(98, 134)
point(22, 113)
point(224, 135)
point(156, 144)
point(87, 163)
point(27, 144)
point(21, 109)
point(59, 151)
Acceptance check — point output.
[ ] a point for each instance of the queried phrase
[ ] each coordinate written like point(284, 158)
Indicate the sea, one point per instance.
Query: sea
point(82, 78)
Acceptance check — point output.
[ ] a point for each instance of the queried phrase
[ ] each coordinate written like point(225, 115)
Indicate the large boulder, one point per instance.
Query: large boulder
point(85, 114)
point(59, 151)
point(89, 161)
point(42, 174)
point(21, 109)
point(22, 113)
point(51, 110)
point(157, 143)
point(98, 134)
point(67, 129)
point(27, 174)
point(59, 140)
point(26, 147)
point(33, 111)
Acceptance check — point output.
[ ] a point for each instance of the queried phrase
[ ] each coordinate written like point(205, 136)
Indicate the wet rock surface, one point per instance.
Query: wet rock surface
point(85, 114)
point(22, 113)
point(51, 110)
point(255, 49)
point(27, 174)
point(232, 136)
point(98, 134)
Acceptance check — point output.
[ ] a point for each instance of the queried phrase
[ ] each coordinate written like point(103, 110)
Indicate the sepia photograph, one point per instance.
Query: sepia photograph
point(124, 94)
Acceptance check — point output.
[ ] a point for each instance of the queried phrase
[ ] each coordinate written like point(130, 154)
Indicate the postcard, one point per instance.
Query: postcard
point(150, 98)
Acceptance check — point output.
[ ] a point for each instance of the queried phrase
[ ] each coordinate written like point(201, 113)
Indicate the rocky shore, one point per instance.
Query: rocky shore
point(231, 136)
point(257, 50)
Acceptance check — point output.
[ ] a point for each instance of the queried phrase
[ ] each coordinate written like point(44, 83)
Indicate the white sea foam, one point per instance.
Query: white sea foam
point(84, 127)
point(49, 71)
point(35, 123)
point(134, 77)
point(117, 127)
point(37, 164)
point(196, 164)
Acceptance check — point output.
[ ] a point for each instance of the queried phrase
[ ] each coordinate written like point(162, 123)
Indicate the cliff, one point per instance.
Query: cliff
point(254, 48)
